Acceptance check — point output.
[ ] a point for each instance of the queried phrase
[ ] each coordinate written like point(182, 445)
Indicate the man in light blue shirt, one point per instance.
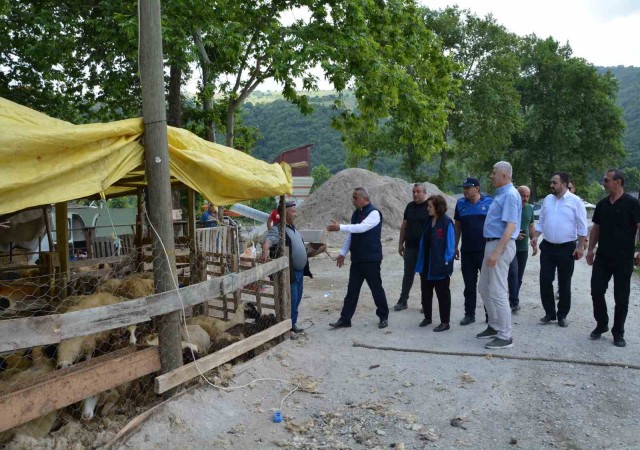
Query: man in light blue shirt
point(501, 228)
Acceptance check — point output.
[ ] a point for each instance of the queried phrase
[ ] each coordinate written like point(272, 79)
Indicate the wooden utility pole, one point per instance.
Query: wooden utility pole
point(158, 178)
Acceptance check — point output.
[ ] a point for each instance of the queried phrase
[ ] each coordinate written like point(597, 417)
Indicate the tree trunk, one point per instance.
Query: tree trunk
point(231, 115)
point(175, 99)
point(442, 170)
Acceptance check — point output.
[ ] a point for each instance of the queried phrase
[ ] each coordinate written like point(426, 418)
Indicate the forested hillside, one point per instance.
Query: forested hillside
point(282, 126)
point(629, 100)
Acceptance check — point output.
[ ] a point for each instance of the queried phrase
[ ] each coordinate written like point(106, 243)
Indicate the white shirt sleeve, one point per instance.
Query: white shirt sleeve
point(581, 218)
point(347, 243)
point(368, 223)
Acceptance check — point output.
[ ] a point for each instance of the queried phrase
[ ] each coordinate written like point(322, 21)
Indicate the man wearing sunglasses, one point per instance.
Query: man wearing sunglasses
point(615, 223)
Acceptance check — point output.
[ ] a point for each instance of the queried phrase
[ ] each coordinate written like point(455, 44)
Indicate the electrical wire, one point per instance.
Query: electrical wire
point(184, 322)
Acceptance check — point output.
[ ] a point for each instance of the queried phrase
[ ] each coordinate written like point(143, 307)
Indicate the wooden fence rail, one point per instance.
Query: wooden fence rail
point(22, 333)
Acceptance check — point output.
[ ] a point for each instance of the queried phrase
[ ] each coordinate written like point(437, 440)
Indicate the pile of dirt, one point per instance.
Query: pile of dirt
point(333, 201)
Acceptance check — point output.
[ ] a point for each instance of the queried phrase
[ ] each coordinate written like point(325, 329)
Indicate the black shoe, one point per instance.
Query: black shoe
point(383, 323)
point(595, 334)
point(441, 327)
point(548, 318)
point(297, 329)
point(400, 306)
point(424, 323)
point(563, 322)
point(619, 341)
point(515, 309)
point(467, 320)
point(340, 324)
point(489, 333)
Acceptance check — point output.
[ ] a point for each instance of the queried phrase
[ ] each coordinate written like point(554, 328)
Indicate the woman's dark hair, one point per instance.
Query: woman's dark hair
point(439, 203)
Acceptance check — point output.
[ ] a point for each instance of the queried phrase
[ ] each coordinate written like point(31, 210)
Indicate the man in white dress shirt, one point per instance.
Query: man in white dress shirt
point(363, 241)
point(563, 219)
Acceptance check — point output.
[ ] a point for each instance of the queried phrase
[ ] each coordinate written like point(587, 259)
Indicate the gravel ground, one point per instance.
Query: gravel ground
point(358, 398)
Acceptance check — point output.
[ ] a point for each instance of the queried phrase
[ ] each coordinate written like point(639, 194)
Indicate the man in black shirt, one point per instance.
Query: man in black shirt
point(414, 220)
point(615, 223)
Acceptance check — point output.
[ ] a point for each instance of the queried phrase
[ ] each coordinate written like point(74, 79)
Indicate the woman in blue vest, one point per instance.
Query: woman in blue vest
point(435, 261)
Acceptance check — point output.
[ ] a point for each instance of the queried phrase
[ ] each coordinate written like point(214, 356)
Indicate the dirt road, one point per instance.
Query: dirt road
point(353, 397)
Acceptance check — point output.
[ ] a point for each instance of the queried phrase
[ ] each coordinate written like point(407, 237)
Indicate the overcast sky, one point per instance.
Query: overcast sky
point(604, 32)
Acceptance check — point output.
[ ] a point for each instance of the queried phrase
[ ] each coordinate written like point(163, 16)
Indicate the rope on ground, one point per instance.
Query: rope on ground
point(493, 355)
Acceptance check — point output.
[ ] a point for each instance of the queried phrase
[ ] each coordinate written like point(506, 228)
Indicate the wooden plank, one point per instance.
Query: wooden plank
point(61, 388)
point(192, 295)
point(89, 321)
point(185, 373)
point(31, 331)
point(262, 294)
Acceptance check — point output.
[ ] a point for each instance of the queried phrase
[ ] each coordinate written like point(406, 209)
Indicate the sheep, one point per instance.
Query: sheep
point(215, 326)
point(134, 286)
point(78, 348)
point(40, 427)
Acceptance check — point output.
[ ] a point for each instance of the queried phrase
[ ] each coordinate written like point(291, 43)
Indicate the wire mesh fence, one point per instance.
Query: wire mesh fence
point(102, 293)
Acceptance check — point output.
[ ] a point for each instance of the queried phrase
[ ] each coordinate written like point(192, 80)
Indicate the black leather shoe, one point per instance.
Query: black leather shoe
point(297, 329)
point(424, 323)
point(400, 306)
point(340, 324)
point(467, 320)
point(595, 334)
point(441, 327)
point(619, 341)
point(548, 318)
point(383, 324)
point(563, 322)
point(515, 309)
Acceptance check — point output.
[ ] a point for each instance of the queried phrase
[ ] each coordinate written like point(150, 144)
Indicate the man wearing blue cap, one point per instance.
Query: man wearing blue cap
point(470, 214)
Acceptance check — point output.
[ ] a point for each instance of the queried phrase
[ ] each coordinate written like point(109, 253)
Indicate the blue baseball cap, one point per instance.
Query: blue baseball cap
point(470, 182)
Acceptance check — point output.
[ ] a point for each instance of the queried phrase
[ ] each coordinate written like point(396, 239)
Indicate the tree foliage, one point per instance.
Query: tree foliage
point(485, 110)
point(320, 175)
point(571, 120)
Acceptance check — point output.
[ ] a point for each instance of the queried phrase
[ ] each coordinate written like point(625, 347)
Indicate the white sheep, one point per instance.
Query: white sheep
point(73, 350)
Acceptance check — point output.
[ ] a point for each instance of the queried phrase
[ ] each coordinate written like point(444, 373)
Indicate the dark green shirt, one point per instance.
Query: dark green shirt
point(527, 218)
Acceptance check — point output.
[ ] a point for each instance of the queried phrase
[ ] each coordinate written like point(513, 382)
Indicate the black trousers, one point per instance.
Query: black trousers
point(358, 273)
point(410, 259)
point(621, 270)
point(560, 257)
point(516, 272)
point(444, 297)
point(470, 265)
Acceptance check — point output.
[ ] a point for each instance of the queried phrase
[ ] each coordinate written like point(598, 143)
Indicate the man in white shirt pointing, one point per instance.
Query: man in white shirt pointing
point(363, 241)
point(563, 219)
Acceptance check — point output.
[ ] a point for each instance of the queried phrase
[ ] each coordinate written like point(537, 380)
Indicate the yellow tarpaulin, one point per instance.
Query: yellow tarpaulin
point(45, 160)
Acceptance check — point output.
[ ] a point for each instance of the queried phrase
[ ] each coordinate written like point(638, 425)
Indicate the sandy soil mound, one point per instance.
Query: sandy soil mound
point(333, 201)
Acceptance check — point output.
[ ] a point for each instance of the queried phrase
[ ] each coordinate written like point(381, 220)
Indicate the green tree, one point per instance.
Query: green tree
point(320, 175)
point(485, 110)
point(571, 120)
point(593, 192)
point(401, 84)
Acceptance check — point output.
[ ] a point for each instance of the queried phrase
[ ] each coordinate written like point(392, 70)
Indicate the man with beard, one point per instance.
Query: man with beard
point(615, 223)
point(563, 218)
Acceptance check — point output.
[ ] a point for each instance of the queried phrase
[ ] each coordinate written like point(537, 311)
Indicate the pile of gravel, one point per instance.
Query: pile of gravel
point(333, 201)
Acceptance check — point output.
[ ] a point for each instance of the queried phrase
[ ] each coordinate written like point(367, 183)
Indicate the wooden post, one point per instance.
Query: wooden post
point(62, 238)
point(139, 256)
point(158, 177)
point(235, 268)
point(278, 279)
point(194, 270)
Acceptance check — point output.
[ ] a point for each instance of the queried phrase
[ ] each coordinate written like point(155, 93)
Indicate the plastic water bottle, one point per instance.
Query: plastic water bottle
point(277, 417)
point(326, 294)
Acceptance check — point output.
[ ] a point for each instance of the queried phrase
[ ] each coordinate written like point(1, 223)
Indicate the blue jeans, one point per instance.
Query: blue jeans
point(296, 293)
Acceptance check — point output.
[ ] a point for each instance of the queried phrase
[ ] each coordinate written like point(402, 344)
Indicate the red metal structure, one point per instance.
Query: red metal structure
point(297, 155)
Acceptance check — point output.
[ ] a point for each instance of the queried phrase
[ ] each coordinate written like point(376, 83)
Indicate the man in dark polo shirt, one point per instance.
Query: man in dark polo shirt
point(414, 220)
point(363, 241)
point(471, 211)
point(615, 223)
